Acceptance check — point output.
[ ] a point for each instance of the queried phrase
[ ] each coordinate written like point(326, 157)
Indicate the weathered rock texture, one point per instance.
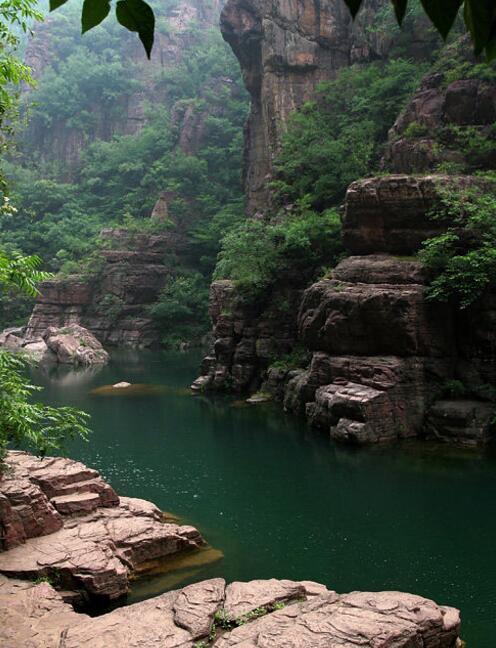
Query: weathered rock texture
point(382, 354)
point(70, 345)
point(112, 301)
point(60, 519)
point(285, 49)
point(37, 617)
point(444, 118)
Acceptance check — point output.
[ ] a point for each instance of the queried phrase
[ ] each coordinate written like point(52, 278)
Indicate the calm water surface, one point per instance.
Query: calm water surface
point(280, 500)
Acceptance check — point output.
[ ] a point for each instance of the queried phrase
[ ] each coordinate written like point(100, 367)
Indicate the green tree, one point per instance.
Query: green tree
point(463, 259)
point(24, 423)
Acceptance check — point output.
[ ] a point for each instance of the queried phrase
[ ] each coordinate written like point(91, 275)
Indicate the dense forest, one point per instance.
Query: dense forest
point(79, 166)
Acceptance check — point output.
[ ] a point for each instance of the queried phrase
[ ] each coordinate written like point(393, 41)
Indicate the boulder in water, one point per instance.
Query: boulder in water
point(71, 344)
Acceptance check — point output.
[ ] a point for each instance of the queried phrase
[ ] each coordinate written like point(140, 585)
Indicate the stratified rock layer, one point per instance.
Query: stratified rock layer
point(37, 617)
point(382, 353)
point(446, 119)
point(112, 302)
point(60, 519)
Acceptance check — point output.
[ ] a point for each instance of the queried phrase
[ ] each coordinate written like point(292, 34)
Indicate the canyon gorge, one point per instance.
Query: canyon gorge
point(144, 193)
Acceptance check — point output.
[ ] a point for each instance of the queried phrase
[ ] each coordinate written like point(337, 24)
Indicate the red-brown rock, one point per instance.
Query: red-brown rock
point(37, 617)
point(60, 518)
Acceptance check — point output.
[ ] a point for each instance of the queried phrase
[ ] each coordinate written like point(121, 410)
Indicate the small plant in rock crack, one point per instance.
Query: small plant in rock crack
point(221, 620)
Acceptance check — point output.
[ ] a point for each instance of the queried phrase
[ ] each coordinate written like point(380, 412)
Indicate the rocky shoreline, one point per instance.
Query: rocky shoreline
point(258, 614)
point(68, 538)
point(59, 520)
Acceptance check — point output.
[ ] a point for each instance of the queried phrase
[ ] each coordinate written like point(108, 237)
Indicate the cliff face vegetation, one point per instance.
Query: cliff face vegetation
point(148, 153)
point(395, 340)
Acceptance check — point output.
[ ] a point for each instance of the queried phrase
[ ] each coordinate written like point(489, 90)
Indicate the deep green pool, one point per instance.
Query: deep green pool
point(281, 500)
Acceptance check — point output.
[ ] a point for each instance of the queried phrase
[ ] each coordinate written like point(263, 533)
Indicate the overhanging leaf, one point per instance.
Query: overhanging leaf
point(94, 11)
point(137, 16)
point(400, 9)
point(442, 13)
point(353, 6)
point(480, 18)
point(55, 4)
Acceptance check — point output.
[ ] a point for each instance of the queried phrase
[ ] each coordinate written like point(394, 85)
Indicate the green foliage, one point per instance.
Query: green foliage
point(182, 309)
point(297, 359)
point(463, 259)
point(21, 272)
point(256, 254)
point(337, 138)
point(82, 93)
point(15, 18)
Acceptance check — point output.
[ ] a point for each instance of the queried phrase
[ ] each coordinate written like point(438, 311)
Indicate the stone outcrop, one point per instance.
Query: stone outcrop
point(430, 130)
point(59, 519)
point(69, 345)
point(381, 353)
point(247, 337)
point(285, 49)
point(281, 614)
point(111, 301)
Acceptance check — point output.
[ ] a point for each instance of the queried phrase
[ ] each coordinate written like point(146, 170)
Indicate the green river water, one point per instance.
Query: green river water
point(281, 500)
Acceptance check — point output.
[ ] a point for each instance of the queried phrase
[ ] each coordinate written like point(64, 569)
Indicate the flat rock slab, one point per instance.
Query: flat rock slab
point(62, 520)
point(36, 616)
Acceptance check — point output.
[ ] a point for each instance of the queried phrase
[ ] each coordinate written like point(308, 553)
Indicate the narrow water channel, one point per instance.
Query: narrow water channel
point(281, 500)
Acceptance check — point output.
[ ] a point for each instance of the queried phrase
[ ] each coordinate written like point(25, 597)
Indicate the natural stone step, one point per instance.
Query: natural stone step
point(107, 495)
point(76, 503)
point(101, 540)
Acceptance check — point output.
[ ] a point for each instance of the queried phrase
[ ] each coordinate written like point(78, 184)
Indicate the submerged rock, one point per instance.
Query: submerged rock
point(60, 519)
point(279, 614)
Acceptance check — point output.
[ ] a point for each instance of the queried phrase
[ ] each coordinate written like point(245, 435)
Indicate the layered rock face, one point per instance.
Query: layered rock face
point(112, 301)
point(60, 519)
point(381, 351)
point(280, 614)
point(247, 337)
point(382, 354)
point(285, 49)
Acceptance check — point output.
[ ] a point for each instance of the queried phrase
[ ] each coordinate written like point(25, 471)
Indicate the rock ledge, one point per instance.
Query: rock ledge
point(60, 519)
point(275, 614)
